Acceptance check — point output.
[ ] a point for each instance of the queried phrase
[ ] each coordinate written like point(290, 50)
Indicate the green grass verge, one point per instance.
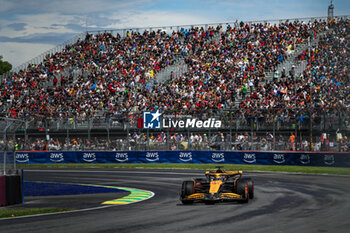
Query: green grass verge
point(8, 213)
point(244, 167)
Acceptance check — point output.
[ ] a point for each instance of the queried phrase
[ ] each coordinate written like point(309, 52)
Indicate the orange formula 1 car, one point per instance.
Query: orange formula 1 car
point(218, 186)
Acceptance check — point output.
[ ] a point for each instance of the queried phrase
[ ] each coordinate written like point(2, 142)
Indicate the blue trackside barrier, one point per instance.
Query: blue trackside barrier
point(333, 159)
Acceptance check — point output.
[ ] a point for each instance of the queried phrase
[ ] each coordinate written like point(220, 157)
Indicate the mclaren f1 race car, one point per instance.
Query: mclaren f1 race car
point(218, 186)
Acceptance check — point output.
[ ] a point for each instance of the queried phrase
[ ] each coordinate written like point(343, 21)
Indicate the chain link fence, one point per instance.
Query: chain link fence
point(8, 145)
point(264, 131)
point(7, 163)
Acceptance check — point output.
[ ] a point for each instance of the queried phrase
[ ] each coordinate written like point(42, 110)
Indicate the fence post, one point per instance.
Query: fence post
point(231, 120)
point(108, 134)
point(311, 143)
point(274, 131)
point(189, 144)
point(14, 160)
point(147, 144)
point(168, 139)
point(251, 131)
point(89, 129)
point(5, 155)
point(127, 136)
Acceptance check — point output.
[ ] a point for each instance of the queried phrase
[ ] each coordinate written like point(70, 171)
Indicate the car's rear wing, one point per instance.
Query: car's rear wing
point(227, 173)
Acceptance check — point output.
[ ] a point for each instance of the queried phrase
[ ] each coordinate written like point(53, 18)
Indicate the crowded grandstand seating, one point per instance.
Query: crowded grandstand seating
point(114, 74)
point(323, 86)
point(116, 77)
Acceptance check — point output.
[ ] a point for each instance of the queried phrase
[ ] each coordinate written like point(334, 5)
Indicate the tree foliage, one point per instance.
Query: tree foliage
point(4, 66)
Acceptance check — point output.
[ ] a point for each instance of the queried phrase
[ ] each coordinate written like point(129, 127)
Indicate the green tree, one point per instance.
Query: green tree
point(4, 66)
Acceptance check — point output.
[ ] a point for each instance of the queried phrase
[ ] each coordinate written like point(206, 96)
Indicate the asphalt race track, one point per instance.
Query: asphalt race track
point(282, 203)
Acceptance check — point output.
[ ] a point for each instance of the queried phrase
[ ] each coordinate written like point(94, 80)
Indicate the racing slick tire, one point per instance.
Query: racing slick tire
point(187, 189)
point(240, 189)
point(250, 186)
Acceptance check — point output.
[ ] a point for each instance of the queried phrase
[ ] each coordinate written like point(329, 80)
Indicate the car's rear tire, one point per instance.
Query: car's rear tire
point(250, 186)
point(187, 189)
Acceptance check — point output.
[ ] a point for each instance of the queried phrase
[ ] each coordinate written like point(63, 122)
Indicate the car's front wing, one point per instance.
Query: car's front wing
point(213, 197)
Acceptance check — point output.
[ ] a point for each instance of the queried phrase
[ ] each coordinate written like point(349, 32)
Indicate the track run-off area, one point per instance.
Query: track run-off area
point(282, 203)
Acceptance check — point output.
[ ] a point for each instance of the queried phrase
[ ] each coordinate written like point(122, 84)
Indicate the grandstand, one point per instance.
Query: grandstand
point(264, 80)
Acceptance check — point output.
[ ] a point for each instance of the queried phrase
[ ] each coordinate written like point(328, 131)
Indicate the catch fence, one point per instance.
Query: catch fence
point(8, 145)
point(266, 131)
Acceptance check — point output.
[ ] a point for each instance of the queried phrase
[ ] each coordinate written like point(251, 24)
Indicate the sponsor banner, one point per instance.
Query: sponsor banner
point(122, 157)
point(186, 157)
point(151, 157)
point(248, 157)
point(214, 157)
point(57, 157)
point(22, 157)
point(304, 159)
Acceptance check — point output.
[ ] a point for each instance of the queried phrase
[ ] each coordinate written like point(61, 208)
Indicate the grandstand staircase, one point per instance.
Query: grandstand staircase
point(177, 69)
point(288, 64)
point(291, 61)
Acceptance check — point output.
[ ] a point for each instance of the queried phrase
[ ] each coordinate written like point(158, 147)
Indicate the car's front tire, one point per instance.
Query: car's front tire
point(241, 190)
point(187, 189)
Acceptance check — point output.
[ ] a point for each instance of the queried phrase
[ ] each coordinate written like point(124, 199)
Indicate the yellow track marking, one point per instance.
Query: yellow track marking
point(136, 195)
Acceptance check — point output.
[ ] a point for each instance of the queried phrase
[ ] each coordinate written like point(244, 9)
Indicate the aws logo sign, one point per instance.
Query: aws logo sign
point(121, 157)
point(279, 158)
point(152, 156)
point(56, 157)
point(305, 159)
point(185, 156)
point(22, 157)
point(249, 158)
point(89, 157)
point(329, 159)
point(218, 157)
